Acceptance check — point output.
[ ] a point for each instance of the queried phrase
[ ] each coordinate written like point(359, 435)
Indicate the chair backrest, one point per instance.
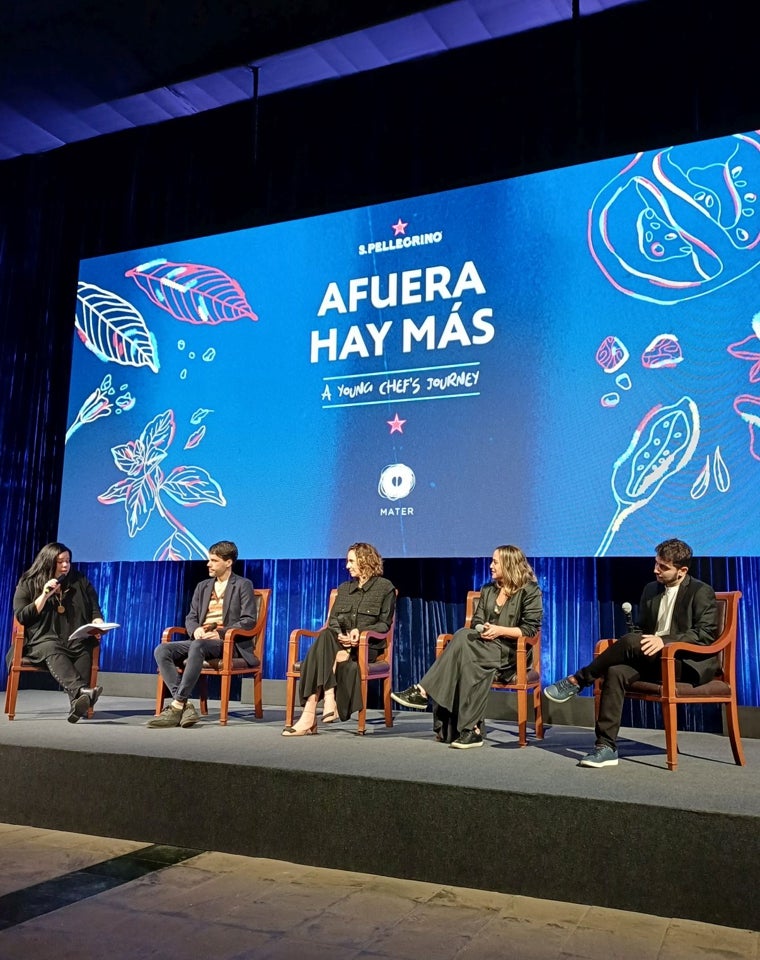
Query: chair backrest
point(728, 622)
point(262, 598)
point(473, 598)
point(16, 649)
point(330, 602)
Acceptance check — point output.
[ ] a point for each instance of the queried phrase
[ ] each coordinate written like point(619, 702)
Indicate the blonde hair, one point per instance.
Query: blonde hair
point(515, 569)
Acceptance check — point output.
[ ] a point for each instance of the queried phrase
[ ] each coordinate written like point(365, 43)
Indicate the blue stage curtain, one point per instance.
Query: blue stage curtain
point(581, 603)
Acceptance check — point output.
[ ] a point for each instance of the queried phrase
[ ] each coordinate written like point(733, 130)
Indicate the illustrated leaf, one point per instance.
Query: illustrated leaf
point(139, 504)
point(156, 436)
point(721, 472)
point(116, 493)
point(175, 547)
point(192, 486)
point(195, 438)
point(701, 485)
point(114, 329)
point(200, 414)
point(192, 292)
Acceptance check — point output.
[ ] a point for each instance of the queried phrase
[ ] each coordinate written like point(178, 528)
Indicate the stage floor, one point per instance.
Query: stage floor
point(526, 821)
point(706, 779)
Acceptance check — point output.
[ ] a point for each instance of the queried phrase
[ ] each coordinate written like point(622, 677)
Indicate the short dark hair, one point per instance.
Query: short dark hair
point(676, 552)
point(225, 549)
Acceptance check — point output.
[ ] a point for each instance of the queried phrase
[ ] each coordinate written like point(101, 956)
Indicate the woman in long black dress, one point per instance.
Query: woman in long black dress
point(365, 602)
point(51, 601)
point(460, 680)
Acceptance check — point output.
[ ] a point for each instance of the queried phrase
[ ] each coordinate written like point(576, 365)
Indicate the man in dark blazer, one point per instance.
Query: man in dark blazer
point(225, 601)
point(675, 607)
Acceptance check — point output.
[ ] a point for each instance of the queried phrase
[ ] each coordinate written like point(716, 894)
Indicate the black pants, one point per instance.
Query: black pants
point(621, 663)
point(71, 668)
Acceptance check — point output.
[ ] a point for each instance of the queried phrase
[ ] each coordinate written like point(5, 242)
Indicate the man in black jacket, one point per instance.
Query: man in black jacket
point(675, 607)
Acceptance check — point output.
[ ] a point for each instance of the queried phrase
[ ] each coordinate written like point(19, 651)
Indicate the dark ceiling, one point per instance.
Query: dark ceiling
point(75, 69)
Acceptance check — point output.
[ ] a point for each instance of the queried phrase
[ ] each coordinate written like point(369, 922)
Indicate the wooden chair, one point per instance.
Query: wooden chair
point(527, 680)
point(228, 666)
point(381, 669)
point(669, 692)
point(21, 664)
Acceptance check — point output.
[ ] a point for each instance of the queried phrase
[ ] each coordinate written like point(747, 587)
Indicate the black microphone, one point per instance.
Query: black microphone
point(58, 580)
point(630, 626)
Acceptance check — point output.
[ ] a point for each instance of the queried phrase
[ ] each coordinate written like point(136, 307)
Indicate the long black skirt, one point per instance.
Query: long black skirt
point(317, 674)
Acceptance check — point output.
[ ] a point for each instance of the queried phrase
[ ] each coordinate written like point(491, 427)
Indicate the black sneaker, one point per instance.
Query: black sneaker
point(467, 739)
point(562, 690)
point(602, 756)
point(411, 697)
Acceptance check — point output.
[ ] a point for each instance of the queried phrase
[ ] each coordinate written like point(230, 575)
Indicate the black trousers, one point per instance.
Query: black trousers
point(621, 663)
point(71, 668)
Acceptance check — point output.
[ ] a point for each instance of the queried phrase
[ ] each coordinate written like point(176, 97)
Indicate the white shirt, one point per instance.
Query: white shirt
point(665, 613)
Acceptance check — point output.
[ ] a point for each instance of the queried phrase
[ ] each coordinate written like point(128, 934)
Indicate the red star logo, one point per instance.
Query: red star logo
point(399, 229)
point(396, 425)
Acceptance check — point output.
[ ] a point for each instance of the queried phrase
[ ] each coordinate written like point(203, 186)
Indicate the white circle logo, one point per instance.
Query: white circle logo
point(396, 481)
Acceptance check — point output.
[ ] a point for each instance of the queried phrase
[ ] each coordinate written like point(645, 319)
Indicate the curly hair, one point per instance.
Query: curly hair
point(368, 560)
point(675, 551)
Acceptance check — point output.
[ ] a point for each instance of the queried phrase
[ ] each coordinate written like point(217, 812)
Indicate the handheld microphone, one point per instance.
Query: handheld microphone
point(480, 627)
point(630, 627)
point(58, 580)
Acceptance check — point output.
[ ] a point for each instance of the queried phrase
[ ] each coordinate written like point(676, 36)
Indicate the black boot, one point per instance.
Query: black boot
point(79, 707)
point(93, 693)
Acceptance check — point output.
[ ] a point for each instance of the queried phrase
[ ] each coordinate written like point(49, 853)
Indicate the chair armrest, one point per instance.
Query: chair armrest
point(363, 648)
point(294, 644)
point(441, 643)
point(228, 641)
point(668, 659)
point(524, 644)
point(669, 650)
point(602, 645)
point(169, 633)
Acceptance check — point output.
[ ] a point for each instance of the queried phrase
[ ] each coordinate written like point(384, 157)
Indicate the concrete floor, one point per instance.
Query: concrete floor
point(222, 907)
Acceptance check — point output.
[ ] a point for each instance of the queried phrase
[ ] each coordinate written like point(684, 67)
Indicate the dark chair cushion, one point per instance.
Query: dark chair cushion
point(238, 663)
point(715, 688)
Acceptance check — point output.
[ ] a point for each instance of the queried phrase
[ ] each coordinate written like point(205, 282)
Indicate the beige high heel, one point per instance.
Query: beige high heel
point(306, 723)
point(305, 731)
